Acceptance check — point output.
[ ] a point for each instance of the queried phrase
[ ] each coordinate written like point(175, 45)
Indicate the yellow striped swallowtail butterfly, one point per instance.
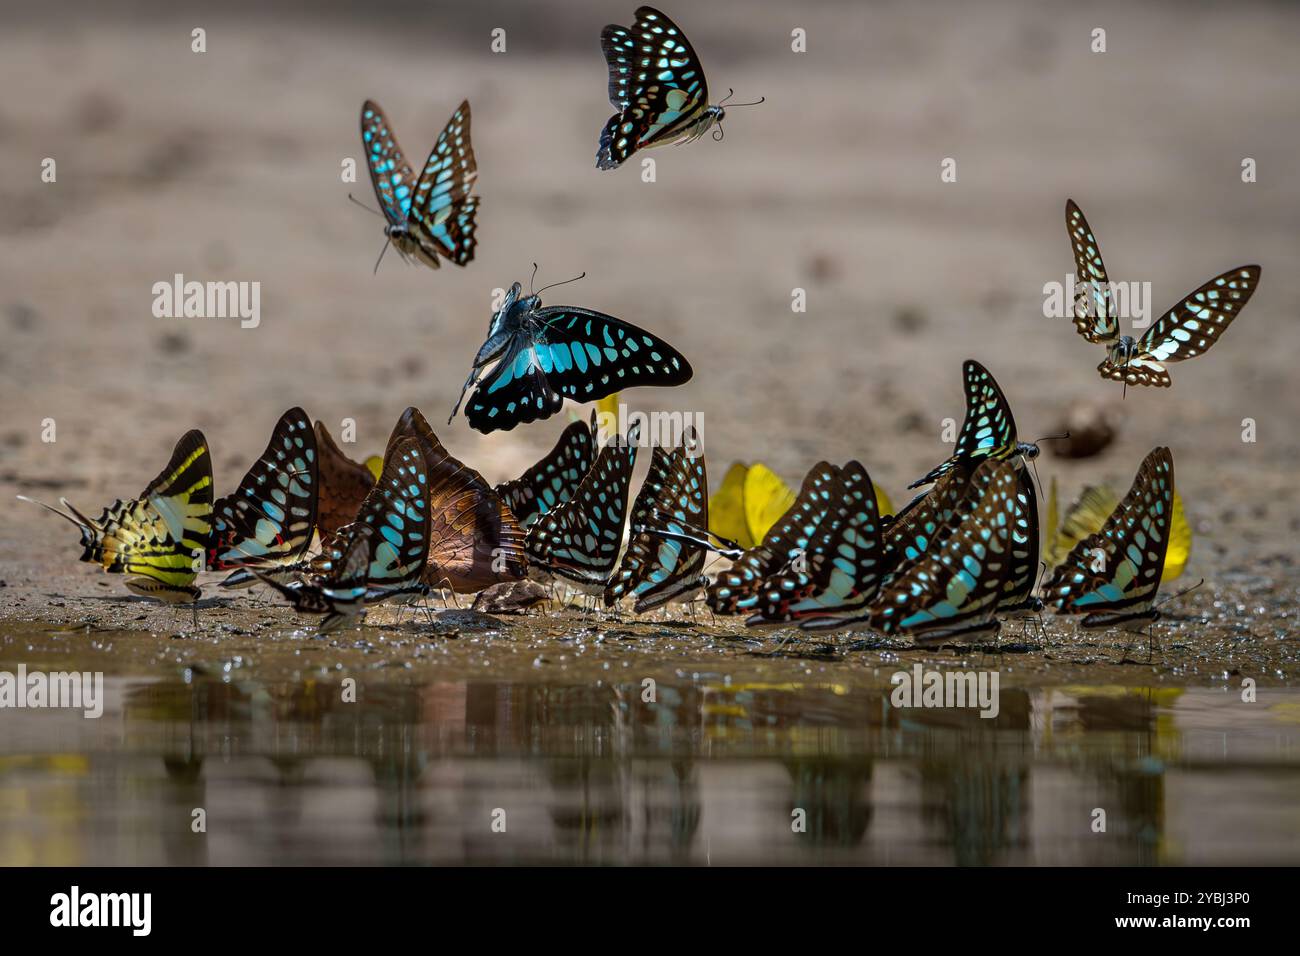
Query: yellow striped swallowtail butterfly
point(1185, 331)
point(161, 538)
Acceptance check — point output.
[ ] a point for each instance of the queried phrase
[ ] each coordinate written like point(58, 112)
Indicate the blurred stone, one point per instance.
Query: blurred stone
point(1091, 429)
point(510, 597)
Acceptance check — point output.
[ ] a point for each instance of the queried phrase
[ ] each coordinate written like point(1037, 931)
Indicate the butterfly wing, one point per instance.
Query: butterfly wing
point(1018, 588)
point(655, 82)
point(587, 355)
point(925, 521)
point(397, 508)
point(552, 480)
point(1119, 567)
point(580, 540)
point(1094, 314)
point(987, 431)
point(959, 584)
point(474, 540)
point(443, 209)
point(727, 507)
point(390, 173)
point(515, 391)
point(161, 534)
point(1187, 330)
point(343, 483)
point(270, 518)
point(674, 496)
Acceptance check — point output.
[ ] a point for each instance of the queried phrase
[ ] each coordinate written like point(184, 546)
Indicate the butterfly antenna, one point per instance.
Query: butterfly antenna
point(1053, 438)
point(757, 102)
point(565, 282)
point(375, 212)
point(1183, 593)
point(531, 278)
point(381, 256)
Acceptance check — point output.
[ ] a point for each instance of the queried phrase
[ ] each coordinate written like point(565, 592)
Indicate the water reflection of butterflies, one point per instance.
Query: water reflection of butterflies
point(1185, 331)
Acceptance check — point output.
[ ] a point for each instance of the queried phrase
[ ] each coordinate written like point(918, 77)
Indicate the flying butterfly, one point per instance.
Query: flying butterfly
point(1185, 331)
point(270, 518)
point(843, 565)
point(988, 430)
point(1088, 514)
point(160, 538)
point(674, 496)
point(657, 86)
point(739, 587)
point(955, 590)
point(579, 541)
point(1113, 575)
point(552, 481)
point(540, 356)
point(474, 540)
point(434, 215)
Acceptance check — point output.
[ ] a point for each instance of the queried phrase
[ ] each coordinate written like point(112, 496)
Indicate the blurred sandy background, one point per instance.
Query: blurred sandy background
point(225, 166)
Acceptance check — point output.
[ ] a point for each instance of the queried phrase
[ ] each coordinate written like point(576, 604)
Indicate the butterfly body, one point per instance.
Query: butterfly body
point(1188, 329)
point(535, 357)
point(432, 216)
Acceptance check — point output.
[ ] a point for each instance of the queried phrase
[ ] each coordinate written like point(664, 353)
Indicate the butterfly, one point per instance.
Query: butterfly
point(540, 356)
point(988, 430)
point(434, 215)
point(1022, 577)
point(270, 519)
point(1113, 575)
point(842, 568)
point(161, 537)
point(474, 540)
point(397, 509)
point(738, 588)
point(343, 485)
point(552, 480)
point(656, 570)
point(1090, 511)
point(955, 590)
point(657, 86)
point(580, 540)
point(750, 500)
point(1185, 331)
point(341, 592)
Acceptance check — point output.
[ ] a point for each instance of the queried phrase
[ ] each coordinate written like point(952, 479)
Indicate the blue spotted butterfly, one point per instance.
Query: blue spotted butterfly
point(540, 356)
point(843, 565)
point(955, 590)
point(988, 431)
point(1022, 579)
point(340, 593)
point(434, 215)
point(1114, 575)
point(552, 481)
point(657, 86)
point(739, 588)
point(1185, 331)
point(270, 518)
point(674, 496)
point(579, 541)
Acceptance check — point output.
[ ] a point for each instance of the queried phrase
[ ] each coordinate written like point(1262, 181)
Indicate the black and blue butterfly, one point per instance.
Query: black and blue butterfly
point(536, 357)
point(988, 430)
point(269, 520)
point(657, 86)
point(433, 215)
point(657, 570)
point(579, 541)
point(1113, 576)
point(552, 481)
point(340, 591)
point(1185, 331)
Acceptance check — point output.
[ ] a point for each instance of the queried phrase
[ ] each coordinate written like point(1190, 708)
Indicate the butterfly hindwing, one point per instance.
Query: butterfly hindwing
point(271, 516)
point(397, 508)
point(552, 480)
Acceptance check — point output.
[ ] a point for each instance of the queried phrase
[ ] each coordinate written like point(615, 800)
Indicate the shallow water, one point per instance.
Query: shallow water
point(457, 728)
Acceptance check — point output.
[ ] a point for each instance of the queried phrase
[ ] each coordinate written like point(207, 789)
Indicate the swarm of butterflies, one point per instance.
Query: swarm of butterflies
point(333, 536)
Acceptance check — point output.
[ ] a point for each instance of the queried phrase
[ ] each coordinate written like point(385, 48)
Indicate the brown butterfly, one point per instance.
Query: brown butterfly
point(344, 484)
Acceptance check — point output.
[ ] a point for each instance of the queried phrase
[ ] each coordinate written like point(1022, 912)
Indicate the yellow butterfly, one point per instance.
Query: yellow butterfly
point(753, 498)
point(1089, 513)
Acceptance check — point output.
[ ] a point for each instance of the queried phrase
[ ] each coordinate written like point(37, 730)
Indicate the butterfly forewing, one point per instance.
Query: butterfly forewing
point(1195, 324)
point(551, 481)
point(270, 518)
point(389, 171)
point(987, 431)
point(1094, 315)
point(443, 209)
point(397, 508)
